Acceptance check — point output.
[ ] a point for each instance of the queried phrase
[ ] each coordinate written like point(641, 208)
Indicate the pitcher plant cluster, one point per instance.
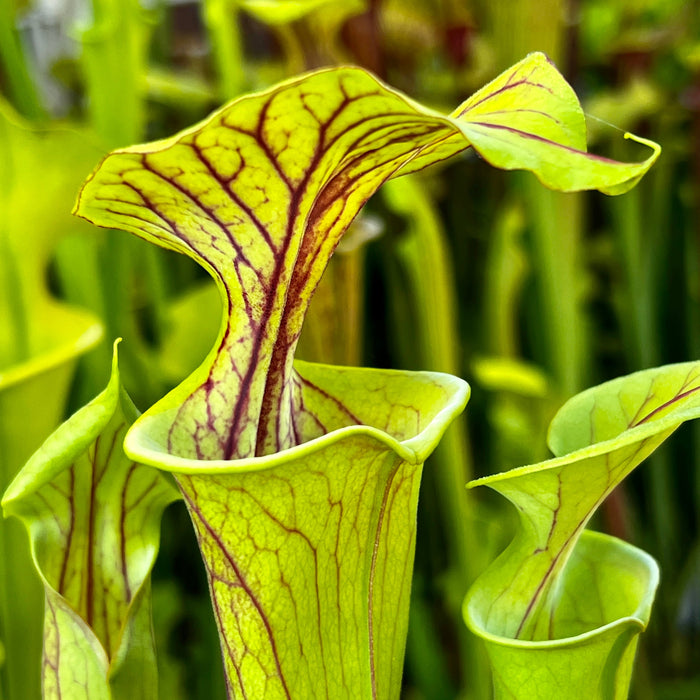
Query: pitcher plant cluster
point(301, 479)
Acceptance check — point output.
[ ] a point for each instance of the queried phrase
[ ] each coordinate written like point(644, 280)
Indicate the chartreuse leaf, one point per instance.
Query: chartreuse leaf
point(284, 11)
point(309, 551)
point(545, 598)
point(40, 341)
point(261, 191)
point(41, 170)
point(302, 482)
point(93, 518)
point(41, 337)
point(529, 118)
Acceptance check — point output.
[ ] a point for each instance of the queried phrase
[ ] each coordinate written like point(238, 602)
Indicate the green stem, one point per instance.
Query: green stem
point(637, 218)
point(20, 85)
point(427, 275)
point(506, 269)
point(556, 232)
point(221, 17)
point(103, 274)
point(115, 61)
point(423, 649)
point(15, 346)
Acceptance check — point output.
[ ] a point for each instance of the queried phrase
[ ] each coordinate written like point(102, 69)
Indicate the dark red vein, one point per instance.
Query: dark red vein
point(262, 142)
point(344, 409)
point(69, 535)
point(370, 588)
point(220, 624)
point(225, 186)
point(666, 404)
point(194, 198)
point(89, 568)
point(122, 533)
point(541, 139)
point(508, 85)
point(244, 585)
point(582, 523)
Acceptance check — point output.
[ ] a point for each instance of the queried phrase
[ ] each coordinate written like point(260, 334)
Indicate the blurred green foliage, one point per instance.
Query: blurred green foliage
point(529, 295)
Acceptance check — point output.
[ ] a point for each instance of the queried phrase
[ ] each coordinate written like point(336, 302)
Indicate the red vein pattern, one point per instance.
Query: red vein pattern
point(556, 499)
point(309, 561)
point(94, 529)
point(309, 596)
point(261, 192)
point(261, 200)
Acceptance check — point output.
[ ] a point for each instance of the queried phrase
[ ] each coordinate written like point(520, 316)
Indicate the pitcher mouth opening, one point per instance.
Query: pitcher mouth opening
point(393, 420)
point(87, 334)
point(616, 558)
